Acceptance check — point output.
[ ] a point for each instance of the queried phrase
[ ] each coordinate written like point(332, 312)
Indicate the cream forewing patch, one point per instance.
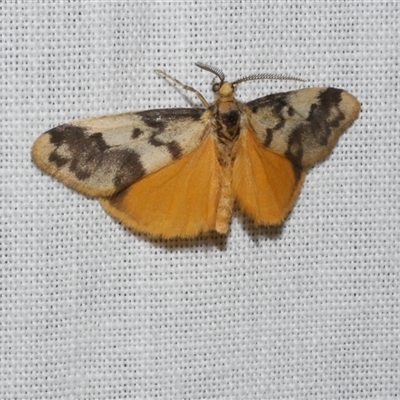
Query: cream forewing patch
point(256, 152)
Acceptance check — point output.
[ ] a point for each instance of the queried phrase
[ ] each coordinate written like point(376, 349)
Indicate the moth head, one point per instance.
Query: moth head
point(222, 88)
point(216, 86)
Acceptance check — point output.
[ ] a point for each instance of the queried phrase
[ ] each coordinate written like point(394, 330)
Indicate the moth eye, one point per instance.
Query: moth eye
point(216, 87)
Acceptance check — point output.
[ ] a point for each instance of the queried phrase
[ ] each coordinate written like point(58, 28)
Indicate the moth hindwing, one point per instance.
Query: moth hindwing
point(176, 172)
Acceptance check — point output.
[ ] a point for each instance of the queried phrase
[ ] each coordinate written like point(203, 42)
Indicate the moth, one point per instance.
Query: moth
point(177, 172)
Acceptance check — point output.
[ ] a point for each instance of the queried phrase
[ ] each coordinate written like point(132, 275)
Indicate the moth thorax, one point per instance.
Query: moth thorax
point(228, 125)
point(230, 119)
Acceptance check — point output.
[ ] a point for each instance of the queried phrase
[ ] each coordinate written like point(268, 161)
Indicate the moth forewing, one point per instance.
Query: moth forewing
point(305, 124)
point(103, 155)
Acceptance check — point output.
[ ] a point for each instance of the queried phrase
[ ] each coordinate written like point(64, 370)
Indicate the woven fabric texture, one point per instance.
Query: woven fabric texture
point(91, 310)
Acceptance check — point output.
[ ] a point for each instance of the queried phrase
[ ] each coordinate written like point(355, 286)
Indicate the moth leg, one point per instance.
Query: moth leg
point(186, 87)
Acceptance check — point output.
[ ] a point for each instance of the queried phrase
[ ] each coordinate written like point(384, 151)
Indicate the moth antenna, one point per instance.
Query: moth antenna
point(214, 70)
point(256, 77)
point(186, 87)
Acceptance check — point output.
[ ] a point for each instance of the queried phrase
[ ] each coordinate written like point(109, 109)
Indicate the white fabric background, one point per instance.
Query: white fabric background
point(90, 310)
